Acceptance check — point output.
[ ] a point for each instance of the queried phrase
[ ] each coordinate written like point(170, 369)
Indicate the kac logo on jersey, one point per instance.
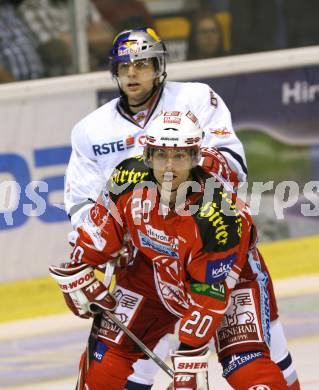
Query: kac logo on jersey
point(114, 146)
point(146, 242)
point(218, 269)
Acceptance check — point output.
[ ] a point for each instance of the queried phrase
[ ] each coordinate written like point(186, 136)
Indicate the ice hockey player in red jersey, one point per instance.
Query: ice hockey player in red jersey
point(194, 261)
point(116, 131)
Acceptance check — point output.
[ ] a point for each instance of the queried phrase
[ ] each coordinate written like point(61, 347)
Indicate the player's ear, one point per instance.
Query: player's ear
point(196, 159)
point(148, 157)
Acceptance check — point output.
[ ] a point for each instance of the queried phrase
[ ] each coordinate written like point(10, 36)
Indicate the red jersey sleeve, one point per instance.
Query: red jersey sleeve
point(100, 235)
point(217, 261)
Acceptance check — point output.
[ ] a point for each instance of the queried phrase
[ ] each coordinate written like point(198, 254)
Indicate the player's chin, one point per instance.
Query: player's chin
point(174, 184)
point(169, 178)
point(137, 96)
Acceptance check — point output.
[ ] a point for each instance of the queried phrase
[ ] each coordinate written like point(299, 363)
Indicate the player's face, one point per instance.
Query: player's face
point(136, 79)
point(172, 165)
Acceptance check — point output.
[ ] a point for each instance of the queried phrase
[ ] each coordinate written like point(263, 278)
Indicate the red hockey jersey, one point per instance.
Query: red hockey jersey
point(198, 250)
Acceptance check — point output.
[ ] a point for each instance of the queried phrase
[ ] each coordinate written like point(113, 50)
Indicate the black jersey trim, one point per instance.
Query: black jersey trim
point(236, 156)
point(285, 363)
point(74, 209)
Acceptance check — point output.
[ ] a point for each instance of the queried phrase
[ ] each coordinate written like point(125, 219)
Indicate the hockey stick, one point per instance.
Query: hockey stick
point(94, 308)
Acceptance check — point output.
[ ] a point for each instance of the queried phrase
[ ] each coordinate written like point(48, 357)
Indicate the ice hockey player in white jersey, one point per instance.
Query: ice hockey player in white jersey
point(116, 131)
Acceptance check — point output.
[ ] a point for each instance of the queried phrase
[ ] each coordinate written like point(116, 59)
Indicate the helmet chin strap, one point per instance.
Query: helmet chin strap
point(152, 92)
point(148, 96)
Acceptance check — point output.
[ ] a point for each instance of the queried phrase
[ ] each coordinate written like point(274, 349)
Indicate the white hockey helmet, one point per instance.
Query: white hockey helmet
point(174, 129)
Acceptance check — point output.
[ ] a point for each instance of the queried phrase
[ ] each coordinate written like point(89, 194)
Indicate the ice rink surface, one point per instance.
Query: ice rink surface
point(43, 354)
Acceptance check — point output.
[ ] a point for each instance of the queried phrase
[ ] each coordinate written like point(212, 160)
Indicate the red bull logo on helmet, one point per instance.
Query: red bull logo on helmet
point(129, 47)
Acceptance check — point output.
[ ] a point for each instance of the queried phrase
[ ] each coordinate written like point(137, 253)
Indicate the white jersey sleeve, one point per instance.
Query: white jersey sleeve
point(84, 178)
point(100, 141)
point(215, 118)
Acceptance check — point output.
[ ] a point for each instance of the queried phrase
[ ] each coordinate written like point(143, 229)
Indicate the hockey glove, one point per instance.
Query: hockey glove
point(72, 237)
point(191, 369)
point(124, 256)
point(80, 287)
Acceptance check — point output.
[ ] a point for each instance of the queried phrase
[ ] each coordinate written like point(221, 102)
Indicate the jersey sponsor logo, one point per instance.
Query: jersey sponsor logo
point(191, 365)
point(129, 142)
point(139, 157)
point(236, 361)
point(216, 291)
point(82, 281)
point(99, 351)
point(126, 310)
point(259, 387)
point(122, 176)
point(172, 113)
point(160, 235)
point(222, 133)
point(172, 120)
point(213, 213)
point(146, 242)
point(109, 330)
point(217, 270)
point(192, 117)
point(240, 323)
point(142, 140)
point(114, 146)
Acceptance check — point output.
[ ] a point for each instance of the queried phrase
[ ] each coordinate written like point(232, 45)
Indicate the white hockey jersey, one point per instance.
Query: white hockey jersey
point(108, 135)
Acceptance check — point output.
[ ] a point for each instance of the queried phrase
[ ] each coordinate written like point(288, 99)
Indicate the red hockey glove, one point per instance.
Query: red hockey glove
point(80, 286)
point(215, 162)
point(191, 369)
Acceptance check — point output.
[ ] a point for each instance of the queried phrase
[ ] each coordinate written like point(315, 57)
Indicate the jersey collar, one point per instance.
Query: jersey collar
point(123, 108)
